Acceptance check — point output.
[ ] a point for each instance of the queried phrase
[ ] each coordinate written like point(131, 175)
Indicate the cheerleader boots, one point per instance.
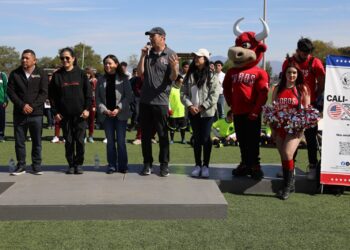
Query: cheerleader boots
point(288, 180)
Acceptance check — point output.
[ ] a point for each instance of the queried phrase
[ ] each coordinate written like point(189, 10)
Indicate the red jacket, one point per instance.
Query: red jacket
point(246, 90)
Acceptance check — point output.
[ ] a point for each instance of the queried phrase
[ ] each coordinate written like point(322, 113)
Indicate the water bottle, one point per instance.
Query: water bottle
point(12, 165)
point(97, 161)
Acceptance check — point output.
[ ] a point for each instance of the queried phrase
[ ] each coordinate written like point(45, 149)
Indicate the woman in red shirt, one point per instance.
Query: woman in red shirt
point(292, 92)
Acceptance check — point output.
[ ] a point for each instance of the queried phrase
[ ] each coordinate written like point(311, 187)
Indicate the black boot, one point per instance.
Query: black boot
point(292, 184)
point(287, 179)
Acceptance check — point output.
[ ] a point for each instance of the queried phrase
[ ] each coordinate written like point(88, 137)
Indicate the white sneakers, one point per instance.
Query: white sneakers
point(105, 140)
point(137, 142)
point(205, 172)
point(55, 139)
point(196, 171)
point(200, 171)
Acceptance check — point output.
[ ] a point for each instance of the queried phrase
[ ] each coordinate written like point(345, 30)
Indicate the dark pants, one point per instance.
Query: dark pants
point(248, 136)
point(201, 127)
point(311, 141)
point(2, 119)
point(115, 132)
point(154, 117)
point(22, 124)
point(49, 116)
point(74, 133)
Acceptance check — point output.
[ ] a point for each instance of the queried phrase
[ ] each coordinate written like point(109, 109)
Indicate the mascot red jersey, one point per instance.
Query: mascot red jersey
point(245, 90)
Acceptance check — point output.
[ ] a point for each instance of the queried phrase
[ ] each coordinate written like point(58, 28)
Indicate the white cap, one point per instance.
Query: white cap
point(202, 52)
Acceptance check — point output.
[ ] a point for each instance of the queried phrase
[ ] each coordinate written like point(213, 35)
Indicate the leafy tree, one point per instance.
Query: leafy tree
point(322, 49)
point(47, 62)
point(91, 59)
point(9, 59)
point(227, 65)
point(344, 51)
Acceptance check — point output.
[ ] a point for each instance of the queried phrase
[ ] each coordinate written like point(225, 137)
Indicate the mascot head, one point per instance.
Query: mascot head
point(249, 48)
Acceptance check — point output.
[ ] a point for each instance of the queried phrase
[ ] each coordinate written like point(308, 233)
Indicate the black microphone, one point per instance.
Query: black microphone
point(149, 47)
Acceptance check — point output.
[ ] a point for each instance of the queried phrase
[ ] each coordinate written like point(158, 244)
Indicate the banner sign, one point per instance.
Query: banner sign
point(335, 160)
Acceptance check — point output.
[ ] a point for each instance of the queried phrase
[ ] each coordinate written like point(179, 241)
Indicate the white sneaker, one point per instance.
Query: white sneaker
point(105, 140)
point(311, 176)
point(55, 139)
point(196, 171)
point(205, 172)
point(136, 142)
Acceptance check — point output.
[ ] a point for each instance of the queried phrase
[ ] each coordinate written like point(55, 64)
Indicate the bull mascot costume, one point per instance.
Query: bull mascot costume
point(246, 91)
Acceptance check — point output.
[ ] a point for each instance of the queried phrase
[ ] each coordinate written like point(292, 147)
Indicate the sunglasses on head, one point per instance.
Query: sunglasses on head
point(67, 58)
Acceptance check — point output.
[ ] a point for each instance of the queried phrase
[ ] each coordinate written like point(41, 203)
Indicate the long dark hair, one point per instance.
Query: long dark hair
point(119, 69)
point(299, 82)
point(71, 52)
point(200, 75)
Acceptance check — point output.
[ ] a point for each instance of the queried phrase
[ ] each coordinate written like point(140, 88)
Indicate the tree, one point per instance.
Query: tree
point(268, 69)
point(133, 61)
point(87, 57)
point(9, 59)
point(344, 51)
point(227, 65)
point(47, 62)
point(91, 59)
point(322, 49)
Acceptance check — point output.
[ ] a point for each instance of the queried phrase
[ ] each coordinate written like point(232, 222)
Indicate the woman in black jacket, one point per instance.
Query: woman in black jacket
point(71, 94)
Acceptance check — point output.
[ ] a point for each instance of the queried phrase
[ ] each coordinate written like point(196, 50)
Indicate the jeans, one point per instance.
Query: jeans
point(201, 127)
point(49, 116)
point(22, 124)
point(73, 128)
point(115, 132)
point(2, 119)
point(248, 135)
point(154, 117)
point(221, 107)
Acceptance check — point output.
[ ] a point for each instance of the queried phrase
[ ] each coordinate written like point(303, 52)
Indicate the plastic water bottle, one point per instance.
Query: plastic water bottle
point(12, 165)
point(97, 161)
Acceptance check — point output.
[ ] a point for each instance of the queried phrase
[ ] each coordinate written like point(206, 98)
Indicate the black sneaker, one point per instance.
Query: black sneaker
point(164, 170)
point(256, 172)
point(146, 170)
point(110, 170)
point(123, 171)
point(70, 170)
point(78, 170)
point(18, 171)
point(36, 170)
point(241, 170)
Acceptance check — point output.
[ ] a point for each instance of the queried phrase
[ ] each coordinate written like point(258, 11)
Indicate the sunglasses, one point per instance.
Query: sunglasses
point(67, 58)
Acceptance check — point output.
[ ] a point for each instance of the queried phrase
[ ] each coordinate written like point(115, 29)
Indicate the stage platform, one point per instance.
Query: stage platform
point(99, 196)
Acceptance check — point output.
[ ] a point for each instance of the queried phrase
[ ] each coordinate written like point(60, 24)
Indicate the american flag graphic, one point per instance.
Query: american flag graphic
point(335, 111)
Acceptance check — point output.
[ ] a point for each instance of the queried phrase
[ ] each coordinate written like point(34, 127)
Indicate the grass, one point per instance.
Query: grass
point(253, 221)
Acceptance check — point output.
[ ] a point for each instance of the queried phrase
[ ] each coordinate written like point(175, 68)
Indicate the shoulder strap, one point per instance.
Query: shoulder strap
point(311, 69)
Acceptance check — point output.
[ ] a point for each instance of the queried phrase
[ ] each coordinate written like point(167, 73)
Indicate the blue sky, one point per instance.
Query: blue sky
point(118, 26)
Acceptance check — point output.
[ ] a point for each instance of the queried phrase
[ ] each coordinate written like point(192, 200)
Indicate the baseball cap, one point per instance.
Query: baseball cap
point(156, 30)
point(202, 52)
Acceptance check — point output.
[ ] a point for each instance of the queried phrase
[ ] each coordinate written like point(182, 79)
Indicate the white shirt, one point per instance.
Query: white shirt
point(221, 77)
point(194, 95)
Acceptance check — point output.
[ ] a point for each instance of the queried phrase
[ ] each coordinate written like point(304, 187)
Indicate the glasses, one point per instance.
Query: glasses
point(67, 58)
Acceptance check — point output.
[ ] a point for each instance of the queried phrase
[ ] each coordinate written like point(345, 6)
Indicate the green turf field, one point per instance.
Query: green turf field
point(253, 222)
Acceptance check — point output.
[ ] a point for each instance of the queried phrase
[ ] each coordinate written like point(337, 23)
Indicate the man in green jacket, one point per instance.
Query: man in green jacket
point(3, 104)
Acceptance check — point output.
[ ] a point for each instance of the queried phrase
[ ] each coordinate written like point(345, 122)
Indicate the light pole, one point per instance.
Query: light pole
point(83, 59)
point(264, 17)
